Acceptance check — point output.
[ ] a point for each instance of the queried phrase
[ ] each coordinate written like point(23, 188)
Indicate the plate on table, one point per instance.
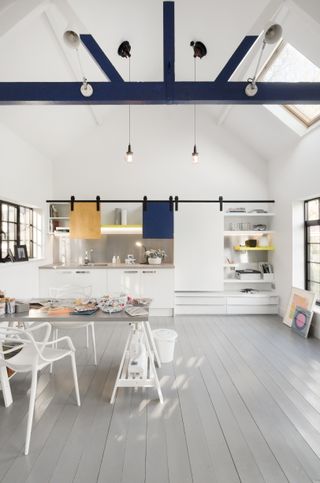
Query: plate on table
point(111, 310)
point(84, 310)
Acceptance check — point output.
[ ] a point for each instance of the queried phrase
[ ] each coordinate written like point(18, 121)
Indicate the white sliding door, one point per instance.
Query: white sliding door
point(198, 247)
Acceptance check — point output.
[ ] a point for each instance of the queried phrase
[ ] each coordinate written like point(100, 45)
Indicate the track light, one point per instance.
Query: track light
point(72, 40)
point(273, 34)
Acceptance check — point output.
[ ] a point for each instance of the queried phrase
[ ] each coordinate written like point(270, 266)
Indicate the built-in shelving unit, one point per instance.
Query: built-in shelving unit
point(238, 228)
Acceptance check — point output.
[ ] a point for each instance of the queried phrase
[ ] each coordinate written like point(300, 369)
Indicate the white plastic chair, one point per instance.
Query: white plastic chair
point(32, 355)
point(69, 293)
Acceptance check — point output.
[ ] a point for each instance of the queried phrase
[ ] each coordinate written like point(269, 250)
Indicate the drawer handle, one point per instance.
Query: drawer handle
point(131, 271)
point(149, 271)
point(82, 271)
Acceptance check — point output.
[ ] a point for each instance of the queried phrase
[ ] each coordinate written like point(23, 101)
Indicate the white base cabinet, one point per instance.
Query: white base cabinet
point(51, 278)
point(157, 284)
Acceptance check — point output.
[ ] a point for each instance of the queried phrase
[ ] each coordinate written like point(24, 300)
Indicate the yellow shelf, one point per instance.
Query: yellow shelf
point(239, 248)
point(121, 229)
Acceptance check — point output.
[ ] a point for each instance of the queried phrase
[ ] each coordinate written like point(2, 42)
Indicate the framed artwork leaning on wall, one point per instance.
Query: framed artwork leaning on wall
point(298, 298)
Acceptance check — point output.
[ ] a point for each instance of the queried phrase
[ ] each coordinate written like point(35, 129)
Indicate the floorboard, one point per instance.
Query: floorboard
point(241, 404)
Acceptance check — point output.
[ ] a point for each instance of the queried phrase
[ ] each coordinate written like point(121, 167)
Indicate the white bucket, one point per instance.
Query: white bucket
point(165, 340)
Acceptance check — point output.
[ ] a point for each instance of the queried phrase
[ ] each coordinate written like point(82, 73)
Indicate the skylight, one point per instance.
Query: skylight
point(287, 64)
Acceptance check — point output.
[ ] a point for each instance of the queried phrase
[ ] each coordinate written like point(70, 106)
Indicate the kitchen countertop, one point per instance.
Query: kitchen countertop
point(107, 265)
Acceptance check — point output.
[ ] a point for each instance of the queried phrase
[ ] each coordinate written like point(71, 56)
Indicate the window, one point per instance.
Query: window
point(287, 64)
point(19, 225)
point(312, 246)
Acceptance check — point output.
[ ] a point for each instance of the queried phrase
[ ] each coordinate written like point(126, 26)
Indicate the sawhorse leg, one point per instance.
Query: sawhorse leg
point(153, 345)
point(114, 392)
point(152, 366)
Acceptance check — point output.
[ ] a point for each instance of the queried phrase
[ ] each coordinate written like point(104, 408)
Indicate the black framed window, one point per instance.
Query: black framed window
point(312, 246)
point(19, 225)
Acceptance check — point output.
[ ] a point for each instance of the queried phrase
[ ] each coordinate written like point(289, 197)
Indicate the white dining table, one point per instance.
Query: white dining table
point(134, 323)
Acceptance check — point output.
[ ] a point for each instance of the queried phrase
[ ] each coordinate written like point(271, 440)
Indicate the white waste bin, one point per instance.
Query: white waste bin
point(165, 340)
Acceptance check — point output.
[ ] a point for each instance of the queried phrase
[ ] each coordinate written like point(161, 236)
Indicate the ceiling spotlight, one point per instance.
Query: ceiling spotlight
point(272, 35)
point(71, 38)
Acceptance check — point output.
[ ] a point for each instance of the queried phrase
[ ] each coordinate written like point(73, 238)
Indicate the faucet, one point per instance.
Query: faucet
point(88, 257)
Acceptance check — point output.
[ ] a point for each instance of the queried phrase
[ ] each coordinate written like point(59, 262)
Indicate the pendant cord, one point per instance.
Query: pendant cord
point(194, 105)
point(129, 106)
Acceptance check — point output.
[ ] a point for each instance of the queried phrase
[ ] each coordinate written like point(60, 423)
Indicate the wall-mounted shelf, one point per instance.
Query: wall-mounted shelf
point(237, 280)
point(121, 229)
point(248, 214)
point(248, 233)
point(239, 248)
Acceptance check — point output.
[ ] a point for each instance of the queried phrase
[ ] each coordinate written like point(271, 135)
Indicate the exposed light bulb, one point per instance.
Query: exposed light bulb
point(195, 155)
point(129, 155)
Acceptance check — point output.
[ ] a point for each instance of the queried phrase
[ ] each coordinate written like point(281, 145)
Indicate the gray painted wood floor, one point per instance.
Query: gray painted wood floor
point(242, 403)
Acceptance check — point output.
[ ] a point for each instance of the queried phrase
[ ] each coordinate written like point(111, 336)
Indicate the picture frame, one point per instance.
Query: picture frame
point(298, 298)
point(20, 253)
point(301, 321)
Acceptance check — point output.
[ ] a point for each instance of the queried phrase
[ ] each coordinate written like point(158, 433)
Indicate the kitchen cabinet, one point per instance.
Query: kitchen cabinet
point(83, 277)
point(158, 220)
point(127, 281)
point(158, 285)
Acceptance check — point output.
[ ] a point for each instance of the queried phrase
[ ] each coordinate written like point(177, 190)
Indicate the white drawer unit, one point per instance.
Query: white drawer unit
point(253, 304)
point(199, 303)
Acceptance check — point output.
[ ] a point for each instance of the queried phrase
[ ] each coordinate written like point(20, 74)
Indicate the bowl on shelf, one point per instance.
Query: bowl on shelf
point(251, 243)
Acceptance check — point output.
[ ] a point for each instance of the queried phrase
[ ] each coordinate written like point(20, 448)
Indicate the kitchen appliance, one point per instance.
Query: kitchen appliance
point(248, 274)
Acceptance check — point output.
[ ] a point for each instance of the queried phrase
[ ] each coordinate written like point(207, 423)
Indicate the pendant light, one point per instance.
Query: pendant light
point(124, 51)
point(272, 35)
point(199, 51)
point(72, 40)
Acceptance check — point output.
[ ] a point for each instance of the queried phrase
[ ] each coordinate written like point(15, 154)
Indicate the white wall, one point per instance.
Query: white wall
point(26, 178)
point(162, 141)
point(293, 177)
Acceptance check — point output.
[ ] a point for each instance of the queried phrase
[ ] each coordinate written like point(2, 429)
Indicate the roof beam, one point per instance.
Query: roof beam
point(236, 58)
point(155, 93)
point(100, 58)
point(15, 12)
point(168, 47)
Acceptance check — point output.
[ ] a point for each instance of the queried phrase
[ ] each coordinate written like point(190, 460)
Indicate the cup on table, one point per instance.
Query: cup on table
point(11, 307)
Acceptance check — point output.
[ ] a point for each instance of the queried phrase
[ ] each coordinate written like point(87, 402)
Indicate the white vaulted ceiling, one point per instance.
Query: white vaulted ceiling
point(31, 49)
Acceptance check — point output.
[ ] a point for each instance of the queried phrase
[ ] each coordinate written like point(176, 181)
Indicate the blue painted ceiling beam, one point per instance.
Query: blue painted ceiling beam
point(236, 58)
point(100, 57)
point(155, 93)
point(166, 92)
point(168, 47)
